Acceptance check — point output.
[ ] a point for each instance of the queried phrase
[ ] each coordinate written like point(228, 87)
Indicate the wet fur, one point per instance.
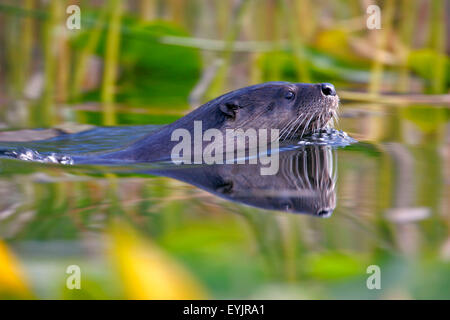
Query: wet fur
point(259, 106)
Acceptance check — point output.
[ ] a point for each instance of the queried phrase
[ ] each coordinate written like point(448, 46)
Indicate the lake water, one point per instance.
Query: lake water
point(312, 231)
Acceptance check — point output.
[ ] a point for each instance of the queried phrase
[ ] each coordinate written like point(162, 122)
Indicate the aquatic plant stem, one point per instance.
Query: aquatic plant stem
point(46, 116)
point(81, 62)
point(408, 9)
point(26, 45)
point(437, 37)
point(274, 32)
point(111, 63)
point(296, 42)
point(217, 86)
point(148, 10)
point(382, 36)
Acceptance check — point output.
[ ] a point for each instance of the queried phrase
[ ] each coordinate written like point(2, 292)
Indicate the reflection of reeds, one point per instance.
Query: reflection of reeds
point(111, 63)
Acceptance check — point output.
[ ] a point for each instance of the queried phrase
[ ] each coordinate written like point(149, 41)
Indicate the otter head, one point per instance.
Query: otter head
point(296, 109)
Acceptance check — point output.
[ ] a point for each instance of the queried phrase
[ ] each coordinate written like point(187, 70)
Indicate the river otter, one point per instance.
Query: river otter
point(291, 110)
point(295, 109)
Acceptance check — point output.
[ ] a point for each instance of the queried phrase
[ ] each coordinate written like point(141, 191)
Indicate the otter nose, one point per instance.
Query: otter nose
point(328, 89)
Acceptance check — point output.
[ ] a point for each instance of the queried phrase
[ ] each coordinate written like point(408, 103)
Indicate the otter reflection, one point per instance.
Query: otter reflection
point(305, 182)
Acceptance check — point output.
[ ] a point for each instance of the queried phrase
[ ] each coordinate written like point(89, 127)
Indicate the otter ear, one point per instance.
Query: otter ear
point(229, 109)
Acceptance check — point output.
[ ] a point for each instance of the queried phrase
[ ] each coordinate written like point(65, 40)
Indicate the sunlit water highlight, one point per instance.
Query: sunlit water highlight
point(63, 148)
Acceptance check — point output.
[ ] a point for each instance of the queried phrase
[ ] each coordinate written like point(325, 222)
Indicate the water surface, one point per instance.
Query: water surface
point(382, 201)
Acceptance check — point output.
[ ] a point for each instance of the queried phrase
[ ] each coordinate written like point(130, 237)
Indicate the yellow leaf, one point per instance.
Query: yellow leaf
point(12, 279)
point(146, 272)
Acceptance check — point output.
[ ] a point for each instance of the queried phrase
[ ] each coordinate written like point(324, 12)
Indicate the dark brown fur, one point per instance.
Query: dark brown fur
point(263, 106)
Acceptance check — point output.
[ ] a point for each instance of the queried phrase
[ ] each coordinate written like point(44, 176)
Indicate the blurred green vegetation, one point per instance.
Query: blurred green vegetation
point(152, 54)
point(151, 73)
point(149, 62)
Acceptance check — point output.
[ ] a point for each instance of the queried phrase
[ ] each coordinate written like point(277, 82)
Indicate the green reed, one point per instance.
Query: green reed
point(382, 35)
point(80, 63)
point(218, 84)
point(111, 63)
point(407, 24)
point(295, 40)
point(437, 39)
point(47, 112)
point(147, 9)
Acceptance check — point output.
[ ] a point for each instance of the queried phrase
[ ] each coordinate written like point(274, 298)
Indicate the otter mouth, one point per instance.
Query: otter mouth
point(306, 124)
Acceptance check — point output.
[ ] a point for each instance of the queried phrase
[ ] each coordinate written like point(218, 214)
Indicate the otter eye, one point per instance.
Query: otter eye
point(289, 95)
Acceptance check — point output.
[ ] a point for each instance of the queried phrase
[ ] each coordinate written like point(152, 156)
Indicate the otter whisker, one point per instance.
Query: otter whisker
point(307, 123)
point(286, 127)
point(316, 124)
point(321, 120)
point(319, 124)
point(335, 117)
point(292, 127)
point(299, 125)
point(330, 122)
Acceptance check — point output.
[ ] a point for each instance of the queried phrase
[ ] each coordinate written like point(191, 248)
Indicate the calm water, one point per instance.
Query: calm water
point(383, 201)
